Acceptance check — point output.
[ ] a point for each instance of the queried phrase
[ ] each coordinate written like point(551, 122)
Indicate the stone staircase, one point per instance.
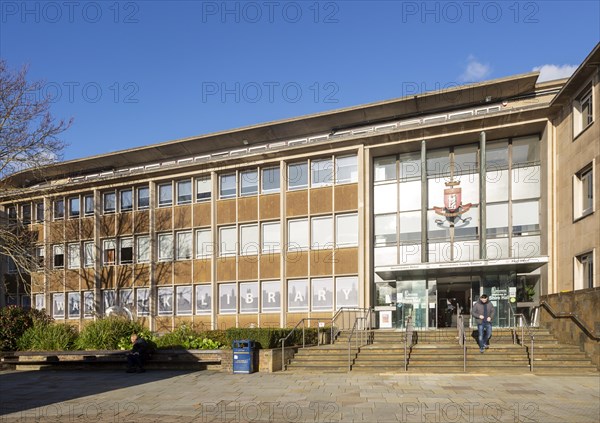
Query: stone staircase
point(437, 351)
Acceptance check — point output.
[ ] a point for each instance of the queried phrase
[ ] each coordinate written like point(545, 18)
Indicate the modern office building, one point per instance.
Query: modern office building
point(402, 205)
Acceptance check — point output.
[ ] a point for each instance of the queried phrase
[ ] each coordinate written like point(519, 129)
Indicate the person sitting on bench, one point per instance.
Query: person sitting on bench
point(138, 354)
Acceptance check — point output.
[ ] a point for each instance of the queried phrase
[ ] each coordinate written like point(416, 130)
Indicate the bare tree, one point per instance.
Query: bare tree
point(29, 141)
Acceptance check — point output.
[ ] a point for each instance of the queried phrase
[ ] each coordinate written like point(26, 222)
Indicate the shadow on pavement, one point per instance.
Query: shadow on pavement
point(41, 391)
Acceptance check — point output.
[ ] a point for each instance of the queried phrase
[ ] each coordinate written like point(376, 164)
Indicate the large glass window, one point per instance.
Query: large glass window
point(59, 256)
point(346, 292)
point(184, 192)
point(39, 212)
point(184, 300)
point(298, 234)
point(89, 205)
point(142, 301)
point(321, 232)
point(583, 192)
point(525, 218)
point(385, 168)
point(109, 202)
point(321, 172)
point(126, 200)
point(227, 298)
point(165, 247)
point(497, 220)
point(143, 198)
point(298, 295)
point(109, 247)
point(249, 240)
point(346, 170)
point(203, 299)
point(526, 182)
point(88, 254)
point(322, 294)
point(346, 230)
point(142, 249)
point(184, 245)
point(227, 241)
point(525, 150)
point(26, 213)
point(410, 227)
point(410, 195)
point(583, 113)
point(59, 209)
point(74, 207)
point(410, 166)
point(203, 188)
point(165, 301)
point(249, 297)
point(165, 195)
point(204, 247)
point(385, 198)
point(385, 229)
point(126, 250)
point(270, 179)
point(271, 297)
point(297, 176)
point(227, 187)
point(249, 182)
point(584, 271)
point(271, 238)
point(73, 256)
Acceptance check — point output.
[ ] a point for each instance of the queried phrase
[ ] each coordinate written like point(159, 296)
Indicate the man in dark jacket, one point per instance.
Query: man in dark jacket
point(484, 312)
point(137, 356)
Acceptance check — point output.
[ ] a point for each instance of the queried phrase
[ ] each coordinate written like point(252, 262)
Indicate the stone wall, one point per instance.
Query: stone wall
point(586, 304)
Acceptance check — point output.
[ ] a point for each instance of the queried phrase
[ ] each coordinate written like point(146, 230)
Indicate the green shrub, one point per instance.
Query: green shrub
point(185, 337)
point(106, 334)
point(48, 337)
point(270, 337)
point(14, 321)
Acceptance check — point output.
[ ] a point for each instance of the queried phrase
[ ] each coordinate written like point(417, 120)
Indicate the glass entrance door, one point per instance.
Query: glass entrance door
point(412, 301)
point(498, 288)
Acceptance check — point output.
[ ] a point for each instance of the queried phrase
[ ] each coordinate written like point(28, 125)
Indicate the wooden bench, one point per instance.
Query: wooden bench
point(93, 360)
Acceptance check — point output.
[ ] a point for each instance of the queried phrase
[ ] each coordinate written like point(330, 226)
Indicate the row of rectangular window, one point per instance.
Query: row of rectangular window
point(231, 298)
point(179, 246)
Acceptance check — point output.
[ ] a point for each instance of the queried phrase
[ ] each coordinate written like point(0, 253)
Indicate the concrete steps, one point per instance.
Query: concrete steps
point(438, 351)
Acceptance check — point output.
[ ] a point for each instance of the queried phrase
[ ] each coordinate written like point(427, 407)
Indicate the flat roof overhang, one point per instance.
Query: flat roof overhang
point(461, 268)
point(452, 98)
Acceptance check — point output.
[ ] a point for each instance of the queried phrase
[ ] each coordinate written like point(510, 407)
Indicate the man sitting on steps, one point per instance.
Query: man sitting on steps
point(137, 356)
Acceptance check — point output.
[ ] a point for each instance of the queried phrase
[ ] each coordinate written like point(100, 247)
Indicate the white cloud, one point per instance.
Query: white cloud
point(475, 70)
point(551, 72)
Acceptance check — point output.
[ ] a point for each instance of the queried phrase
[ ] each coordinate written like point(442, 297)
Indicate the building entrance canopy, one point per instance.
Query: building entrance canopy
point(465, 268)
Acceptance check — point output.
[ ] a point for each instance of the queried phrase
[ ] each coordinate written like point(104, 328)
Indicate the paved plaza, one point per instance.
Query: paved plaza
point(210, 396)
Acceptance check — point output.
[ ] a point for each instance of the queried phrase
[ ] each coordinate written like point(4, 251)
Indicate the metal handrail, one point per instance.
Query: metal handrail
point(409, 334)
point(337, 314)
point(462, 339)
point(531, 338)
point(350, 342)
point(302, 321)
point(572, 316)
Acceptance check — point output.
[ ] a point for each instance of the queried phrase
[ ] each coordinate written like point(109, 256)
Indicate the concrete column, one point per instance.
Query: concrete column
point(424, 255)
point(482, 196)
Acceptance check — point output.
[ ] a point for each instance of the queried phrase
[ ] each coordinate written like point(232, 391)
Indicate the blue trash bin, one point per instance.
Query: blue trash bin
point(243, 356)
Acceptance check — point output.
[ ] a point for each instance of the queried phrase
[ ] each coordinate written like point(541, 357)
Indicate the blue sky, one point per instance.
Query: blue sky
point(132, 73)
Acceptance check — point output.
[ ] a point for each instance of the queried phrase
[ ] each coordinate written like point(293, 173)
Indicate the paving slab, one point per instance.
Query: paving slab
point(212, 396)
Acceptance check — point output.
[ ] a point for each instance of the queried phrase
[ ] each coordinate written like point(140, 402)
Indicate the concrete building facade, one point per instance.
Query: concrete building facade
point(406, 206)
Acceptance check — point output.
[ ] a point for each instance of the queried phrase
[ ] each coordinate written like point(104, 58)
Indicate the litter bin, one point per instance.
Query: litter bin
point(243, 356)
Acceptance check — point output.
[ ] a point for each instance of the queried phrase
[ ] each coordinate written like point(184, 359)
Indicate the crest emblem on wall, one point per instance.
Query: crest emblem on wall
point(453, 207)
